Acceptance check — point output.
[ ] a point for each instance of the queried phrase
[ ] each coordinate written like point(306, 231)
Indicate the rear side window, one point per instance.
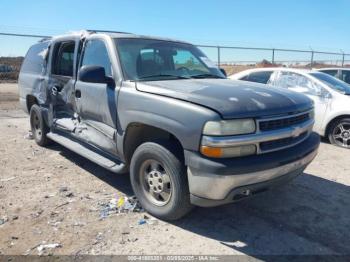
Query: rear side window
point(35, 60)
point(345, 76)
point(63, 62)
point(258, 77)
point(330, 72)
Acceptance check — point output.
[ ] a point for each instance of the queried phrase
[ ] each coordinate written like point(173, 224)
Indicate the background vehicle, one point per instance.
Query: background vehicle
point(330, 95)
point(162, 110)
point(340, 73)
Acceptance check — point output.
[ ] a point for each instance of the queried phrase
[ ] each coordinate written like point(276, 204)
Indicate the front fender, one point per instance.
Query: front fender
point(182, 119)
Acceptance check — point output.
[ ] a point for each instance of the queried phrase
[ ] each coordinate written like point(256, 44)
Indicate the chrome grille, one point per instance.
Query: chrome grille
point(283, 122)
point(281, 143)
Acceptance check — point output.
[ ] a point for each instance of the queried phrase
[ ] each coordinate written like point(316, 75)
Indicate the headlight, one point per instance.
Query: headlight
point(229, 127)
point(226, 152)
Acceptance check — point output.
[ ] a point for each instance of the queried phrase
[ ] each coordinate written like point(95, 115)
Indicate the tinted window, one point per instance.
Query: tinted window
point(63, 59)
point(333, 82)
point(96, 54)
point(260, 77)
point(158, 60)
point(330, 72)
point(34, 61)
point(346, 76)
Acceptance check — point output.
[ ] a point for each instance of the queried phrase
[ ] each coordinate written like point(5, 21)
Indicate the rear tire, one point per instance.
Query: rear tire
point(38, 126)
point(159, 180)
point(339, 133)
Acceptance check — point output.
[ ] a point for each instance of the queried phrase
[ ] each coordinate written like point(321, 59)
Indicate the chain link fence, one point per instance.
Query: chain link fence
point(232, 58)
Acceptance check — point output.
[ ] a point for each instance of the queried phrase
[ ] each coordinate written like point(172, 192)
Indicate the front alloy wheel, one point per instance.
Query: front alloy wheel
point(340, 133)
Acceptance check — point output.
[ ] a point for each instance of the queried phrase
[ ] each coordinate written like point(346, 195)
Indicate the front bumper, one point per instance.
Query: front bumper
point(221, 181)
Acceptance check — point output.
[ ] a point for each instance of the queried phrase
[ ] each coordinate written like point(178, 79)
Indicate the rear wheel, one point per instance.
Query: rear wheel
point(38, 126)
point(159, 180)
point(339, 133)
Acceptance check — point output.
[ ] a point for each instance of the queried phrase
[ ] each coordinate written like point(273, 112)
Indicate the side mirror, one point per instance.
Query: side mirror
point(223, 71)
point(94, 74)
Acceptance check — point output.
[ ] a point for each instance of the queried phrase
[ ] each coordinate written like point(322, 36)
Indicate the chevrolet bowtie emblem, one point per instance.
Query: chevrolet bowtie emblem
point(297, 131)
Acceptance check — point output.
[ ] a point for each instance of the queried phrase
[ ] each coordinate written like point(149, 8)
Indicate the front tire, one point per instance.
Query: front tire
point(159, 180)
point(38, 126)
point(339, 133)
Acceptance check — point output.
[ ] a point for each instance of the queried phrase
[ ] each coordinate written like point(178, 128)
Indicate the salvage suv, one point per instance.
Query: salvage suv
point(162, 111)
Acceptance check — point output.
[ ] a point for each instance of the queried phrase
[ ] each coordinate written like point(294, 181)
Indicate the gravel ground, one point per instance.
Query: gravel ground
point(53, 196)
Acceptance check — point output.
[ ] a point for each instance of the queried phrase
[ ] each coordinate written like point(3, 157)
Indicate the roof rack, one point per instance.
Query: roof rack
point(105, 31)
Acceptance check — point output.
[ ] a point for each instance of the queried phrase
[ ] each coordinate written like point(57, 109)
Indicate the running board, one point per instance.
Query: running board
point(87, 153)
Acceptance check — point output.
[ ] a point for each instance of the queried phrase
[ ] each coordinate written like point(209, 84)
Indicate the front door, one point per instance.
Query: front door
point(97, 102)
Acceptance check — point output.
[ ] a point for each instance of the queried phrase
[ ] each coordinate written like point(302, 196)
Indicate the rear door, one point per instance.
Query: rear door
point(62, 76)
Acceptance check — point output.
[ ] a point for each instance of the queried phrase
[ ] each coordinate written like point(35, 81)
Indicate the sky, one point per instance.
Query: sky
point(320, 25)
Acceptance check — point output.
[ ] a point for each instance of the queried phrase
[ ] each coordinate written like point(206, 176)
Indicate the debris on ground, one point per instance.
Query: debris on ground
point(7, 179)
point(3, 220)
point(37, 214)
point(121, 204)
point(65, 191)
point(43, 247)
point(148, 220)
point(142, 221)
point(29, 135)
point(79, 224)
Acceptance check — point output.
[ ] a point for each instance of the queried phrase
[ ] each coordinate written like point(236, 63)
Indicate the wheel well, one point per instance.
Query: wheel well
point(334, 120)
point(138, 133)
point(31, 100)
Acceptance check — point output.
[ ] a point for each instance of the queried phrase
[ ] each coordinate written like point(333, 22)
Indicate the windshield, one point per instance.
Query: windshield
point(333, 82)
point(148, 59)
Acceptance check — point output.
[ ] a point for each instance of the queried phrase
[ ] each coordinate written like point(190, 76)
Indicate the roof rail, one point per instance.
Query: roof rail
point(105, 31)
point(45, 39)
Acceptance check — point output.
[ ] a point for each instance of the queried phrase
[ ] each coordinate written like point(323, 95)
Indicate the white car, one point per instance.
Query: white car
point(340, 73)
point(330, 95)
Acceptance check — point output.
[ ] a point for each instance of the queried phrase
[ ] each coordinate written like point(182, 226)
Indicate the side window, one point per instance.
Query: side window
point(260, 77)
point(345, 76)
point(63, 61)
point(330, 72)
point(298, 83)
point(35, 60)
point(245, 78)
point(96, 54)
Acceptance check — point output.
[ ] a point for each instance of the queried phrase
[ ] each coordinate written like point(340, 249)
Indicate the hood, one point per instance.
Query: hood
point(230, 98)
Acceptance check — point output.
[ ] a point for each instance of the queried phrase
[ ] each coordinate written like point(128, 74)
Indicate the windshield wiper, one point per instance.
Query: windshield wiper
point(207, 76)
point(163, 75)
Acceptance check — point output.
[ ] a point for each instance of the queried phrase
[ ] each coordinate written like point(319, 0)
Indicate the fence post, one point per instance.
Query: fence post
point(343, 60)
point(312, 59)
point(218, 56)
point(273, 56)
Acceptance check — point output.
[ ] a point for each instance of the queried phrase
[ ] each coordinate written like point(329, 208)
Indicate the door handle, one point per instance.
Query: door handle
point(77, 93)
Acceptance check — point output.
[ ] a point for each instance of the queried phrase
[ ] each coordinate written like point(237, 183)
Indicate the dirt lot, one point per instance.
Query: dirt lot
point(54, 196)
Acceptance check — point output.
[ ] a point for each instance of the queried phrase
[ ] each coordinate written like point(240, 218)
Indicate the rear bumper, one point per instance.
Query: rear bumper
point(216, 182)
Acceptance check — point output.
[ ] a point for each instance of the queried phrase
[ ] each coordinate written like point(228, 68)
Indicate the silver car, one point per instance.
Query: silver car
point(330, 95)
